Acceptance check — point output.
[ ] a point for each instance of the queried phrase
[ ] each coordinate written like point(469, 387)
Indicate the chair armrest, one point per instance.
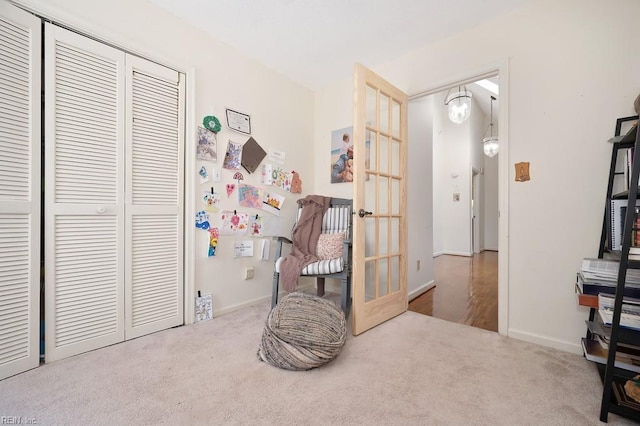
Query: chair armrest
point(279, 241)
point(282, 240)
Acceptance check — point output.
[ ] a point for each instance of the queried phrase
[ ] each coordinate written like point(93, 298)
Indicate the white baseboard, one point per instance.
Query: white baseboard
point(422, 289)
point(252, 302)
point(453, 253)
point(570, 347)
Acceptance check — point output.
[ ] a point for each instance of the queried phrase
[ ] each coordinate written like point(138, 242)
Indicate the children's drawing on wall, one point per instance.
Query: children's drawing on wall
point(296, 183)
point(204, 175)
point(202, 220)
point(211, 201)
point(232, 156)
point(214, 233)
point(234, 223)
point(267, 174)
point(204, 307)
point(207, 145)
point(250, 196)
point(281, 179)
point(255, 226)
point(272, 203)
point(342, 155)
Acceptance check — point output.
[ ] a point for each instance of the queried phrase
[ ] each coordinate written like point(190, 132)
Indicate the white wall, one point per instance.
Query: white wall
point(419, 202)
point(477, 129)
point(572, 72)
point(439, 187)
point(281, 117)
point(490, 204)
point(454, 156)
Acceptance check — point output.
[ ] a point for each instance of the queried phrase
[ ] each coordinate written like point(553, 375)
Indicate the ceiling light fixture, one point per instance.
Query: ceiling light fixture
point(490, 144)
point(459, 105)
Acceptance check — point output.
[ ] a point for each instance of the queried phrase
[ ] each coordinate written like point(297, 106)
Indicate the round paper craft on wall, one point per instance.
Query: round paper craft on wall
point(210, 122)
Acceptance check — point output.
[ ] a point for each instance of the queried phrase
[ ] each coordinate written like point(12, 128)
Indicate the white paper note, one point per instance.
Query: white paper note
point(243, 248)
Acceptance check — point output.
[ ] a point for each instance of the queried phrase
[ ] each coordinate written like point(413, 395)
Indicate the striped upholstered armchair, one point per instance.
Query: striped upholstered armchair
point(333, 250)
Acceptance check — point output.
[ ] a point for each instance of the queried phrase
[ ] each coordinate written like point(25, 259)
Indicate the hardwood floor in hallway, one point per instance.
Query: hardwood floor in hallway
point(466, 291)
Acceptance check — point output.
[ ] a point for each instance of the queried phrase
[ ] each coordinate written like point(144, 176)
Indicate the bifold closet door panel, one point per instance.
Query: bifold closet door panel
point(154, 212)
point(84, 193)
point(20, 154)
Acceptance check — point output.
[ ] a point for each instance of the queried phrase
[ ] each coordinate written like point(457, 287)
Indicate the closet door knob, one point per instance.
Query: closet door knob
point(101, 210)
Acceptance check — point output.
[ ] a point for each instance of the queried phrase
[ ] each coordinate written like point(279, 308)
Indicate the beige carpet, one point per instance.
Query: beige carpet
point(413, 369)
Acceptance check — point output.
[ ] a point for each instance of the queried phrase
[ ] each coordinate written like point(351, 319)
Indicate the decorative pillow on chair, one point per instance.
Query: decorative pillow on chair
point(330, 246)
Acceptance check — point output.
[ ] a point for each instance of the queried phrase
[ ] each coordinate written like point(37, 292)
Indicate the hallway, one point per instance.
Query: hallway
point(466, 291)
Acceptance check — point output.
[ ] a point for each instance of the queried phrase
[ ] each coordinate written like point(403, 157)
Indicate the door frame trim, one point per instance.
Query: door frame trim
point(500, 68)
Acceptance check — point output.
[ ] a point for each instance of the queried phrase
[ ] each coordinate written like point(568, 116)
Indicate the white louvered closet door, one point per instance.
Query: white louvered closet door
point(84, 194)
point(154, 218)
point(20, 48)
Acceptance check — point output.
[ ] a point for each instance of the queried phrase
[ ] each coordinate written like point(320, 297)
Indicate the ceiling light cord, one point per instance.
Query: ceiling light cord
point(491, 145)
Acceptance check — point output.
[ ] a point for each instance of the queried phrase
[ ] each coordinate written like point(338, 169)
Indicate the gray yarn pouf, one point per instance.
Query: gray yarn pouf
point(302, 332)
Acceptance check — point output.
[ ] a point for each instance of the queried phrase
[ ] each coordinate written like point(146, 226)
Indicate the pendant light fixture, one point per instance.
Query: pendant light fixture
point(459, 104)
point(490, 144)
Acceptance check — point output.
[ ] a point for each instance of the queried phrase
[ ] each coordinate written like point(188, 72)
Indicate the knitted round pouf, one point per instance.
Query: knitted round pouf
point(302, 332)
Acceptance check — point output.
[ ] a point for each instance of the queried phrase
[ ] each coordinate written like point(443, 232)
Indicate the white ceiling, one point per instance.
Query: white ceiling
point(316, 42)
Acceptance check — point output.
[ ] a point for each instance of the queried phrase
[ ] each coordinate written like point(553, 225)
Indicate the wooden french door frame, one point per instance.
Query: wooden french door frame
point(380, 198)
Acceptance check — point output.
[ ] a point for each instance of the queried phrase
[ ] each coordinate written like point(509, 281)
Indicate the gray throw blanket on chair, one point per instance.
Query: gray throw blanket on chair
point(305, 239)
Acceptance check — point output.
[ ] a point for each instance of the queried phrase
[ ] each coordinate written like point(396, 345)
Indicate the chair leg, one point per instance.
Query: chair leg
point(346, 296)
point(274, 290)
point(320, 286)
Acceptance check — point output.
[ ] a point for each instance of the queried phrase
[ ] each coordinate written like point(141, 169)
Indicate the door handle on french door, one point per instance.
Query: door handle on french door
point(363, 213)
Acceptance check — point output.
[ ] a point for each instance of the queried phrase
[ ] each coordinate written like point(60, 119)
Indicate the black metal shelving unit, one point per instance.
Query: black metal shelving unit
point(616, 370)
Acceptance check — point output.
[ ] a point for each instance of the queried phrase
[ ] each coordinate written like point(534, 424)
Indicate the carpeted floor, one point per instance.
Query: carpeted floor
point(413, 369)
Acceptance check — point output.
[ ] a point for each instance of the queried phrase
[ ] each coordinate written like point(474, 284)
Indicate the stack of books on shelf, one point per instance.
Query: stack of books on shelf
point(601, 276)
point(618, 212)
point(630, 315)
point(596, 347)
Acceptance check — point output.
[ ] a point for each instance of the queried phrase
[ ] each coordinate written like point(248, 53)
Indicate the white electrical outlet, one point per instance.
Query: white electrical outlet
point(248, 273)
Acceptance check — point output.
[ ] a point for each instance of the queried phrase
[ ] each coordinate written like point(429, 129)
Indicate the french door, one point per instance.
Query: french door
point(380, 199)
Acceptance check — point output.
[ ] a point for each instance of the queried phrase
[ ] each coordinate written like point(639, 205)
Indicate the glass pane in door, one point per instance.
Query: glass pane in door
point(383, 191)
point(395, 119)
point(384, 113)
point(371, 107)
point(395, 273)
point(369, 236)
point(383, 274)
point(383, 239)
point(384, 154)
point(370, 280)
point(395, 196)
point(395, 157)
